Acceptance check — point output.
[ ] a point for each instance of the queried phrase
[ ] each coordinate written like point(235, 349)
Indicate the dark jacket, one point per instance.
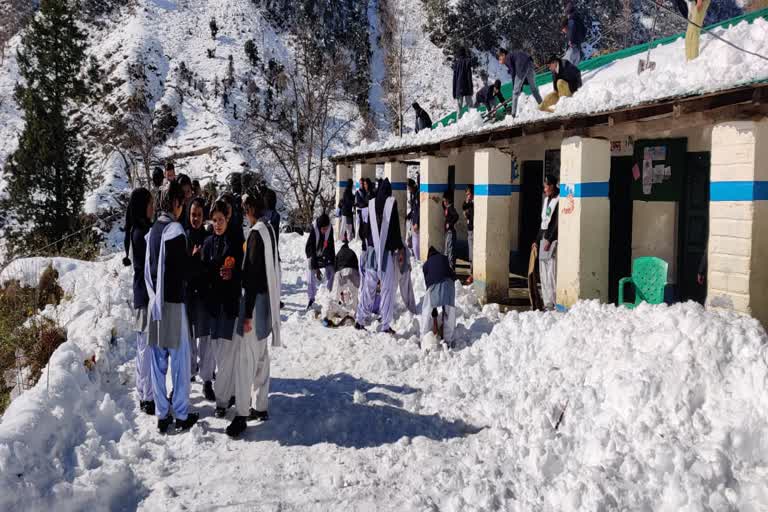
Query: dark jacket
point(140, 295)
point(437, 268)
point(550, 233)
point(347, 204)
point(451, 218)
point(518, 64)
point(272, 218)
point(196, 280)
point(485, 96)
point(235, 231)
point(462, 77)
point(469, 214)
point(346, 258)
point(576, 31)
point(255, 269)
point(422, 120)
point(413, 209)
point(176, 261)
point(321, 253)
point(682, 6)
point(569, 73)
point(220, 293)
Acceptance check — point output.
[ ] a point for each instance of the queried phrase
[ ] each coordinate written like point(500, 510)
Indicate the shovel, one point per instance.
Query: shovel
point(648, 64)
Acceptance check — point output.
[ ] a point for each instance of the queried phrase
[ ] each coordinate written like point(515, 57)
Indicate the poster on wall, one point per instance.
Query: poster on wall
point(662, 164)
point(647, 177)
point(636, 172)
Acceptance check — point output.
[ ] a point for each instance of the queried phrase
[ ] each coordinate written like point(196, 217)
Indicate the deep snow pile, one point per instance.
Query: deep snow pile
point(661, 408)
point(618, 85)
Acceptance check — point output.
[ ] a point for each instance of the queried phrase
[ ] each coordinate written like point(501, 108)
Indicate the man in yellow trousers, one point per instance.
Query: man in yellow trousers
point(566, 80)
point(697, 11)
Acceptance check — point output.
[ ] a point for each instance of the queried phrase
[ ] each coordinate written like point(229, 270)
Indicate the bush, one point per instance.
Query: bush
point(46, 336)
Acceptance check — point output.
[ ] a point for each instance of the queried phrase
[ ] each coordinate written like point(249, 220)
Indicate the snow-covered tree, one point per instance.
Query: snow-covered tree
point(46, 176)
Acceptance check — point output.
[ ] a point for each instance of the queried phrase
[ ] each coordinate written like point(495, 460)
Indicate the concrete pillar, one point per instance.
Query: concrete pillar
point(397, 173)
point(738, 213)
point(343, 173)
point(364, 171)
point(491, 247)
point(584, 221)
point(433, 172)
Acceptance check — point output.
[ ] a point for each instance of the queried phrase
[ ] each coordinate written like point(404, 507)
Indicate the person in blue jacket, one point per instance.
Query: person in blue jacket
point(462, 80)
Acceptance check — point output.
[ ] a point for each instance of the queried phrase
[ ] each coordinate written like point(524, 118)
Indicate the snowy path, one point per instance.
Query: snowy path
point(663, 409)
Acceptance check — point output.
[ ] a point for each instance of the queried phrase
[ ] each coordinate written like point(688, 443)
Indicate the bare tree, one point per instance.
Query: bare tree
point(14, 15)
point(298, 127)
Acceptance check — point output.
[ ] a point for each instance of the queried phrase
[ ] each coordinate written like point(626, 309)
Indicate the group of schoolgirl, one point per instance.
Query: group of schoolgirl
point(368, 286)
point(205, 298)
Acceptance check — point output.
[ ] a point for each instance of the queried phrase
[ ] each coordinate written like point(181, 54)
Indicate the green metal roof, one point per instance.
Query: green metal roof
point(602, 60)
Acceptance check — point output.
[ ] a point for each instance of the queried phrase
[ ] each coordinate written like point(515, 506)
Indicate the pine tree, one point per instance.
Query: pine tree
point(252, 52)
point(46, 176)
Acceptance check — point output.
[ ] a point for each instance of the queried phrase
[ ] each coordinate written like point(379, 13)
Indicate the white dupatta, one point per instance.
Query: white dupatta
point(156, 296)
point(376, 232)
point(273, 278)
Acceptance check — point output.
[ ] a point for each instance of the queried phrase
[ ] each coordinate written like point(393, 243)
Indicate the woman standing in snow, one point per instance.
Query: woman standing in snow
point(138, 220)
point(222, 257)
point(260, 317)
point(165, 274)
point(203, 360)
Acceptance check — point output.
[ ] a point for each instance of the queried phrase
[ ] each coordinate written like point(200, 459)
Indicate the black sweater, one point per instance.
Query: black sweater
point(176, 261)
point(318, 252)
point(550, 233)
point(255, 270)
point(469, 214)
point(221, 293)
point(451, 218)
point(197, 278)
point(394, 238)
point(140, 295)
point(346, 258)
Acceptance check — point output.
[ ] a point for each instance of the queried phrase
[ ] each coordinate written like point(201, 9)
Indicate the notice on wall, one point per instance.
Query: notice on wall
point(658, 174)
point(636, 172)
point(659, 153)
point(667, 173)
point(647, 177)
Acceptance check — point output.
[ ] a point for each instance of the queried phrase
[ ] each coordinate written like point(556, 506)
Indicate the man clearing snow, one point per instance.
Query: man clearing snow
point(548, 242)
point(566, 80)
point(321, 254)
point(441, 293)
point(385, 251)
point(520, 67)
point(342, 303)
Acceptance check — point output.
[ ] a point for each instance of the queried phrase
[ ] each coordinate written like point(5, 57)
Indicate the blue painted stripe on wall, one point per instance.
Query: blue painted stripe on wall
point(343, 184)
point(738, 191)
point(433, 188)
point(399, 185)
point(496, 189)
point(584, 190)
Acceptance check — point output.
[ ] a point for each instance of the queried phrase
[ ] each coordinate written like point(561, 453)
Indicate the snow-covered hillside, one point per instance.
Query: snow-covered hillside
point(157, 36)
point(661, 408)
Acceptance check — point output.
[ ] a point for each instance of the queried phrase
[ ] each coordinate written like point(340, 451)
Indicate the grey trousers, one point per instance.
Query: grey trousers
point(450, 243)
point(464, 101)
point(528, 78)
point(573, 55)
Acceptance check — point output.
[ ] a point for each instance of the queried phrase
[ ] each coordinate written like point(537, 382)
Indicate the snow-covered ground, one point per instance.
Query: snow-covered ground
point(657, 409)
point(617, 84)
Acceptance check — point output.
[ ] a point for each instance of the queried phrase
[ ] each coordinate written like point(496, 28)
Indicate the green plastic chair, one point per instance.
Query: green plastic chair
point(649, 278)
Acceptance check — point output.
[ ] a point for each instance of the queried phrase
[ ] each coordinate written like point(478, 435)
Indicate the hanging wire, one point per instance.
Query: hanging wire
point(705, 29)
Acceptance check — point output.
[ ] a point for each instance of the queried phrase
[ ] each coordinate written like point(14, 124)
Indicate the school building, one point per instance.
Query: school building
point(678, 179)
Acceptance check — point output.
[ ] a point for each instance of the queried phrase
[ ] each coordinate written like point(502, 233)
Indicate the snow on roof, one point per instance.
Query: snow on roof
point(617, 85)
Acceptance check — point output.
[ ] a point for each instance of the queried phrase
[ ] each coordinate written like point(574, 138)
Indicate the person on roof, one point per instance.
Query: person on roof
point(521, 69)
point(422, 118)
point(385, 252)
point(566, 80)
point(488, 94)
point(462, 80)
point(573, 27)
point(696, 11)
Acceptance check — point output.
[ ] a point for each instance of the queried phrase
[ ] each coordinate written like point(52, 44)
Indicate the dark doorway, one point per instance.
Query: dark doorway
point(531, 192)
point(620, 248)
point(694, 226)
point(451, 180)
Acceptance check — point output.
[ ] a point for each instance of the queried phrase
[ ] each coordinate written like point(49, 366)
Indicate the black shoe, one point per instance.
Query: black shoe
point(192, 379)
point(142, 406)
point(149, 408)
point(237, 426)
point(309, 306)
point(359, 327)
point(164, 423)
point(258, 415)
point(282, 304)
point(390, 331)
point(231, 402)
point(220, 412)
point(170, 397)
point(186, 424)
point(208, 392)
